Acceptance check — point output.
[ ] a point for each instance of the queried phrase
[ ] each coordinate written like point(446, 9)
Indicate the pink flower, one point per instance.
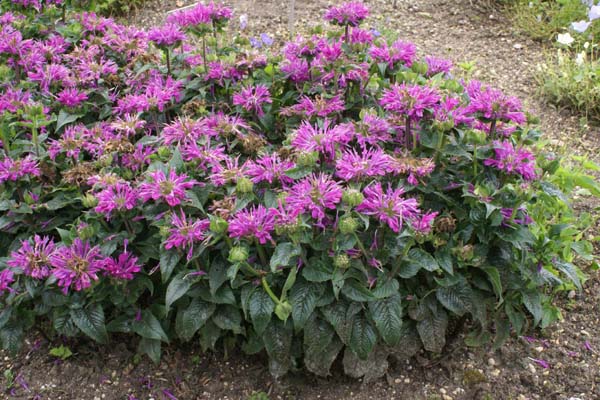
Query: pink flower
point(269, 168)
point(117, 197)
point(323, 139)
point(252, 98)
point(71, 97)
point(185, 232)
point(124, 267)
point(492, 104)
point(400, 51)
point(389, 207)
point(423, 223)
point(351, 13)
point(437, 65)
point(76, 266)
point(256, 222)
point(410, 100)
point(170, 189)
point(6, 279)
point(33, 260)
point(320, 107)
point(514, 162)
point(369, 163)
point(166, 35)
point(315, 194)
point(183, 130)
point(15, 169)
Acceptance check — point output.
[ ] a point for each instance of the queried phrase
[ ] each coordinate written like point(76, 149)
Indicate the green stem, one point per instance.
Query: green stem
point(34, 138)
point(361, 246)
point(261, 254)
point(251, 269)
point(168, 60)
point(493, 128)
point(474, 160)
point(204, 55)
point(265, 285)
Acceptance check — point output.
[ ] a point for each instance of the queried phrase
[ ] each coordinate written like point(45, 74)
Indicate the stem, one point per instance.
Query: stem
point(34, 138)
point(204, 55)
point(361, 246)
point(252, 270)
point(261, 254)
point(168, 60)
point(346, 34)
point(265, 285)
point(474, 160)
point(493, 128)
point(407, 132)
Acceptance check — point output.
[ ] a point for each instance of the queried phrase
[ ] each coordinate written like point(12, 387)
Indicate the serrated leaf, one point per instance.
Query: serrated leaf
point(387, 315)
point(283, 254)
point(177, 288)
point(11, 337)
point(423, 259)
point(386, 288)
point(150, 347)
point(432, 330)
point(260, 307)
point(317, 271)
point(228, 318)
point(192, 318)
point(303, 298)
point(533, 302)
point(494, 278)
point(168, 261)
point(570, 271)
point(356, 291)
point(149, 327)
point(444, 259)
point(370, 368)
point(363, 338)
point(209, 334)
point(278, 342)
point(456, 298)
point(217, 275)
point(91, 322)
point(409, 343)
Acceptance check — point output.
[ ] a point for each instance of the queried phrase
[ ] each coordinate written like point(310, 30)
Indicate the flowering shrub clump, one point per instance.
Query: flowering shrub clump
point(346, 196)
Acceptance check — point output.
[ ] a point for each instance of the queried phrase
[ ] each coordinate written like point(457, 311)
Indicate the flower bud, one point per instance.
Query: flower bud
point(348, 225)
point(283, 310)
point(89, 201)
point(218, 225)
point(353, 197)
point(163, 152)
point(476, 136)
point(307, 159)
point(238, 254)
point(244, 185)
point(341, 261)
point(87, 232)
point(419, 68)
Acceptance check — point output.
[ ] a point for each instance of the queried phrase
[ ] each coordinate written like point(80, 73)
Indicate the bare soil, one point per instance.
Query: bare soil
point(461, 30)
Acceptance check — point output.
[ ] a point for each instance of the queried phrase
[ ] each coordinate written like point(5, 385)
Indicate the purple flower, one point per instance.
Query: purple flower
point(410, 100)
point(184, 130)
point(252, 98)
point(351, 13)
point(76, 266)
point(269, 168)
point(320, 106)
point(71, 97)
point(389, 207)
point(520, 216)
point(124, 267)
point(33, 260)
point(400, 51)
point(369, 163)
point(514, 162)
point(170, 189)
point(167, 35)
point(594, 13)
point(117, 197)
point(424, 222)
point(6, 279)
point(185, 232)
point(322, 139)
point(266, 39)
point(256, 222)
point(492, 104)
point(15, 169)
point(437, 65)
point(315, 194)
point(542, 363)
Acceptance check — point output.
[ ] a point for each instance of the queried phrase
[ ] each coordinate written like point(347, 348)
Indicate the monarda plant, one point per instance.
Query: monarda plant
point(344, 198)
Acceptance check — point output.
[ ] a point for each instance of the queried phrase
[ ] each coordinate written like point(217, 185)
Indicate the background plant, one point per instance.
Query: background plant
point(345, 197)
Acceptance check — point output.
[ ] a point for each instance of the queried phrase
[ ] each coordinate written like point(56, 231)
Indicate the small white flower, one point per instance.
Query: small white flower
point(565, 38)
point(580, 26)
point(586, 45)
point(580, 58)
point(594, 12)
point(243, 21)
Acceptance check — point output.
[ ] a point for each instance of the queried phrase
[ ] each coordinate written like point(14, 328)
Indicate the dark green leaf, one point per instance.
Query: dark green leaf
point(228, 318)
point(149, 327)
point(387, 314)
point(168, 261)
point(177, 288)
point(303, 298)
point(91, 322)
point(363, 338)
point(260, 307)
point(192, 318)
point(278, 342)
point(457, 298)
point(432, 330)
point(151, 348)
point(570, 271)
point(356, 291)
point(217, 275)
point(423, 259)
point(533, 301)
point(283, 254)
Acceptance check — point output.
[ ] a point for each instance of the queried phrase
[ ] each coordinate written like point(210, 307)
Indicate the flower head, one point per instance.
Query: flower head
point(367, 163)
point(170, 189)
point(185, 233)
point(315, 194)
point(167, 35)
point(513, 161)
point(256, 222)
point(493, 104)
point(77, 265)
point(117, 197)
point(410, 100)
point(15, 169)
point(351, 13)
point(123, 267)
point(6, 279)
point(389, 207)
point(33, 260)
point(252, 99)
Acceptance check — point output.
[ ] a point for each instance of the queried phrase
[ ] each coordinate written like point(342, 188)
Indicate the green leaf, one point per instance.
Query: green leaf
point(298, 172)
point(533, 301)
point(494, 278)
point(91, 322)
point(61, 352)
point(321, 346)
point(289, 282)
point(168, 261)
point(283, 310)
point(192, 318)
point(387, 315)
point(341, 316)
point(178, 287)
point(283, 254)
point(149, 327)
point(65, 118)
point(423, 259)
point(209, 334)
point(278, 343)
point(432, 330)
point(570, 271)
point(11, 337)
point(456, 298)
point(444, 259)
point(260, 307)
point(151, 348)
point(409, 343)
point(363, 337)
point(386, 288)
point(217, 275)
point(356, 291)
point(228, 318)
point(303, 298)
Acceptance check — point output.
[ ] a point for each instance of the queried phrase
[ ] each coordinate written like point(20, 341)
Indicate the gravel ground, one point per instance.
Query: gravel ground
point(451, 28)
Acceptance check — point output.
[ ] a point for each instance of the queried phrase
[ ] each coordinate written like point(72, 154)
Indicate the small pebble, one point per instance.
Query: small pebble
point(491, 362)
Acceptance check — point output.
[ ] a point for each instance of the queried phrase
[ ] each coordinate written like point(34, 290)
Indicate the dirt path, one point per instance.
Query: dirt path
point(449, 28)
